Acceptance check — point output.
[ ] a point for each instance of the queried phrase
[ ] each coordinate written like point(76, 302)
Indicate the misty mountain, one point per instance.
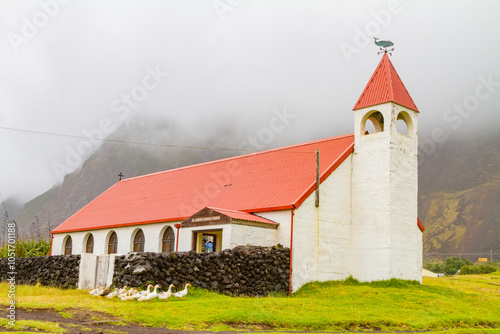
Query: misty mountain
point(12, 206)
point(170, 146)
point(459, 196)
point(459, 183)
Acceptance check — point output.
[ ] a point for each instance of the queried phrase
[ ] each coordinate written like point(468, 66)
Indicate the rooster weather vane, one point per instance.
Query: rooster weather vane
point(384, 46)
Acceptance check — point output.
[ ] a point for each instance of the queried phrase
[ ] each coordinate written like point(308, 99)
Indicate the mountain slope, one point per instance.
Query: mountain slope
point(459, 190)
point(101, 169)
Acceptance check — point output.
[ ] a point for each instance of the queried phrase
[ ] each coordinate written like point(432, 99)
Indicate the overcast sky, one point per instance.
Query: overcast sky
point(83, 67)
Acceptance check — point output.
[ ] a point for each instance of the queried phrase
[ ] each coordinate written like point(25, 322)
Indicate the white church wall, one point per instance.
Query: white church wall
point(282, 217)
point(152, 235)
point(242, 234)
point(60, 238)
point(321, 236)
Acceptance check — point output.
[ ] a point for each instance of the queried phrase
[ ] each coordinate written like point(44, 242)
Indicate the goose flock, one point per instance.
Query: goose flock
point(126, 294)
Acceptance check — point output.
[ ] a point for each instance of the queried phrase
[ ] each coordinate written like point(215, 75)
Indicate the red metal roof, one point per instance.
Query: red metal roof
point(241, 215)
point(385, 85)
point(270, 180)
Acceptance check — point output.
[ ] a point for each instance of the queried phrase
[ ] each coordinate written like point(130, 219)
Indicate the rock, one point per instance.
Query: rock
point(139, 270)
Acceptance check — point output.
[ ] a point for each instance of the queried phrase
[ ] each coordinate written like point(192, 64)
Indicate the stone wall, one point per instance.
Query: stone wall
point(59, 271)
point(244, 270)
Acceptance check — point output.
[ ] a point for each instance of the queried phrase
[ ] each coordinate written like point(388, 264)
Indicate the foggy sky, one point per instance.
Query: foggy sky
point(84, 67)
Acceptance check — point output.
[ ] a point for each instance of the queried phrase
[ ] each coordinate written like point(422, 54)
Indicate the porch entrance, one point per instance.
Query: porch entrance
point(208, 241)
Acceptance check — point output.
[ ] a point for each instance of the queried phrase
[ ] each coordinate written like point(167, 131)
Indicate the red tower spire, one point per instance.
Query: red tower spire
point(385, 85)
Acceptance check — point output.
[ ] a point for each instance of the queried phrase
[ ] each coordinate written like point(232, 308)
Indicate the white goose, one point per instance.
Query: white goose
point(113, 294)
point(124, 292)
point(182, 293)
point(128, 295)
point(94, 291)
point(98, 291)
point(166, 295)
point(142, 293)
point(151, 295)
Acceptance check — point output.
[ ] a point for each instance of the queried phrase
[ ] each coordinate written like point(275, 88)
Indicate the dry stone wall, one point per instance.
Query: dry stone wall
point(58, 271)
point(244, 270)
point(248, 270)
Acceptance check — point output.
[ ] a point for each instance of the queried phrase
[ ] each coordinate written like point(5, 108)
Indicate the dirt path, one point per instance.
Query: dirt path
point(84, 322)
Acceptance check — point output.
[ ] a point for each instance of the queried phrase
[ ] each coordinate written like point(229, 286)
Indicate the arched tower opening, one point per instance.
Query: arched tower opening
point(372, 122)
point(404, 124)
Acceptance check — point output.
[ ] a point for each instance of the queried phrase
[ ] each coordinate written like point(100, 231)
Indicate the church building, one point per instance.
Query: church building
point(344, 206)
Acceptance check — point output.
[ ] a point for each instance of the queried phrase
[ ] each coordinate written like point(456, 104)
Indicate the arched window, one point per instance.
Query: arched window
point(68, 246)
point(404, 124)
point(113, 243)
point(401, 126)
point(139, 241)
point(89, 246)
point(167, 241)
point(372, 123)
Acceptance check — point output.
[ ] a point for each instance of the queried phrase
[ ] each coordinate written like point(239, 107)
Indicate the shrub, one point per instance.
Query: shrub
point(453, 264)
point(351, 281)
point(28, 248)
point(476, 270)
point(486, 269)
point(469, 270)
point(434, 267)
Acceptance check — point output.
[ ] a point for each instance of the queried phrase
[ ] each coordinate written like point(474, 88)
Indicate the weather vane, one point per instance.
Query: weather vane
point(384, 46)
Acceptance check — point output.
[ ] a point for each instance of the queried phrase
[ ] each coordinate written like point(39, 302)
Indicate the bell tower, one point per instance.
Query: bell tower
point(386, 240)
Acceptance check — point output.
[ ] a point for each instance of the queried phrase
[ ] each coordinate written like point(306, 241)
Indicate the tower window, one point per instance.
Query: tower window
point(68, 246)
point(404, 124)
point(401, 126)
point(167, 242)
point(372, 123)
point(113, 243)
point(89, 247)
point(139, 241)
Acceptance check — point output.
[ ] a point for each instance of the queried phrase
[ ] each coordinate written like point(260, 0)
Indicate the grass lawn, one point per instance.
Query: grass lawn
point(458, 304)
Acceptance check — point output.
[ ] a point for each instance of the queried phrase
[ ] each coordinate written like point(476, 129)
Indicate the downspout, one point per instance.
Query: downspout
point(51, 240)
point(177, 226)
point(291, 252)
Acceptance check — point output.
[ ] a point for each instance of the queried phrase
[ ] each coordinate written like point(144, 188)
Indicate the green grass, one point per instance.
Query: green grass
point(66, 315)
point(453, 303)
point(33, 324)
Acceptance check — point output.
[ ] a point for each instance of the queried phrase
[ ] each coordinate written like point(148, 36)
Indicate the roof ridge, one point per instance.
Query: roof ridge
point(239, 157)
point(230, 210)
point(245, 213)
point(389, 76)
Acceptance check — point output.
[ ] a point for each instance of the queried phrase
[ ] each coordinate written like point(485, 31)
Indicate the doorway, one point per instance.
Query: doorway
point(207, 241)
